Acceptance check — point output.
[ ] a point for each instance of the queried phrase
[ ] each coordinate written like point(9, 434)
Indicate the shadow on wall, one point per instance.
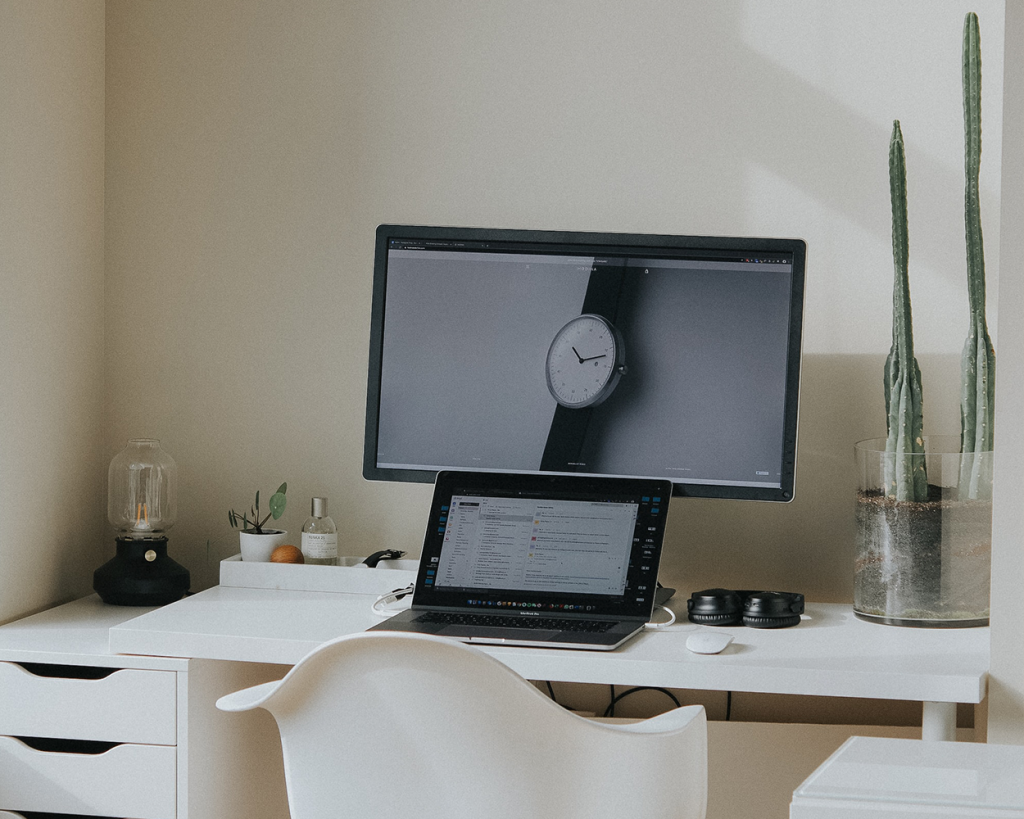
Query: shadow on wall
point(805, 546)
point(535, 128)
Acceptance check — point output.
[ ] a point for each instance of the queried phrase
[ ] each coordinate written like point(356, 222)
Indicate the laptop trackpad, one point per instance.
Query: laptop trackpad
point(489, 633)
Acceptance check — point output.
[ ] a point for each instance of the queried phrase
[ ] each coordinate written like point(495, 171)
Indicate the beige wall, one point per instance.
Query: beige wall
point(52, 461)
point(250, 150)
point(253, 148)
point(220, 300)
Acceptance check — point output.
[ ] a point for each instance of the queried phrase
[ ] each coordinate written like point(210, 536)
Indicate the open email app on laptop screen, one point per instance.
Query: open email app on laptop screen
point(562, 561)
point(560, 546)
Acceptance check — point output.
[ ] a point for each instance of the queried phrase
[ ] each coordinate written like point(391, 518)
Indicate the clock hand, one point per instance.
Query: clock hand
point(592, 358)
point(581, 358)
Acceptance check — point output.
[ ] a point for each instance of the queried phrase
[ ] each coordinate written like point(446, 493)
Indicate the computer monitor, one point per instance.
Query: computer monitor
point(595, 353)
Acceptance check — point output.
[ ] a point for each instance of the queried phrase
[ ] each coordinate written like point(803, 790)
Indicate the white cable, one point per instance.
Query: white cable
point(381, 605)
point(671, 619)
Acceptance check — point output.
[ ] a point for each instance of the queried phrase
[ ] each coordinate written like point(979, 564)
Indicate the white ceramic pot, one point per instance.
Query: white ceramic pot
point(257, 548)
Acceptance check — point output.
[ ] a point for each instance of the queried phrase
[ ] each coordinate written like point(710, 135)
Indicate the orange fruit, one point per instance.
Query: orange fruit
point(287, 554)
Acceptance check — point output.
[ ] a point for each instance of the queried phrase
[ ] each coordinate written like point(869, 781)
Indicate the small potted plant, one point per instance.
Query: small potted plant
point(256, 542)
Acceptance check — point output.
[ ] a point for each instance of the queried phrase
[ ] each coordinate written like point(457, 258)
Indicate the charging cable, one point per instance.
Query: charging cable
point(385, 605)
point(671, 619)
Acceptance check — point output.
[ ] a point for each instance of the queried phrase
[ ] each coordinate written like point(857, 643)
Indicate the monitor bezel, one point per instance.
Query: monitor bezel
point(596, 242)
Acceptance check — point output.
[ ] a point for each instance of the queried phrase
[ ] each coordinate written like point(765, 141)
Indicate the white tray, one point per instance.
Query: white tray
point(345, 578)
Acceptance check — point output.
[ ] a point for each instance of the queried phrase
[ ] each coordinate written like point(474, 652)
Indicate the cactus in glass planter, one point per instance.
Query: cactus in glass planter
point(977, 390)
point(923, 551)
point(905, 476)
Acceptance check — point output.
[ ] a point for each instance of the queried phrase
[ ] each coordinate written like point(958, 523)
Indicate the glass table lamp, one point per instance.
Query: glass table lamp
point(141, 506)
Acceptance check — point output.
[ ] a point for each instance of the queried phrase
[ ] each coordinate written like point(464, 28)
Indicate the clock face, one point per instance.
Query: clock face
point(585, 361)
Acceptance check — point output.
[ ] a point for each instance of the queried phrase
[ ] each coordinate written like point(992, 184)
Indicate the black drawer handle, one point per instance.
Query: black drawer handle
point(75, 672)
point(31, 814)
point(91, 747)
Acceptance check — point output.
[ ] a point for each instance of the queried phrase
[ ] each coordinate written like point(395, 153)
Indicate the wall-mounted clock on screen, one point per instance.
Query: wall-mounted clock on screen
point(585, 361)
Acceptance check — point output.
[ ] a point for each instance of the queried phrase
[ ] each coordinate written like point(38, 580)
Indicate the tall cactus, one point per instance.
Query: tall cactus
point(905, 478)
point(977, 390)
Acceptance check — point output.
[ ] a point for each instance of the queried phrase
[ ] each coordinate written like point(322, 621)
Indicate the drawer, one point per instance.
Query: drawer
point(126, 780)
point(126, 705)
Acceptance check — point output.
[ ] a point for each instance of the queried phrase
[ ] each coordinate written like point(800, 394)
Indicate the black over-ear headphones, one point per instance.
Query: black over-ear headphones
point(757, 609)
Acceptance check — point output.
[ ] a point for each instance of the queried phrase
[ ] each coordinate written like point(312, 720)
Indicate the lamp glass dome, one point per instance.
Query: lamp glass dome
point(142, 502)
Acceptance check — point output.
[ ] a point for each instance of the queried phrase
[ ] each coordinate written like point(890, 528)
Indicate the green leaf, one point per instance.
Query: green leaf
point(277, 504)
point(282, 488)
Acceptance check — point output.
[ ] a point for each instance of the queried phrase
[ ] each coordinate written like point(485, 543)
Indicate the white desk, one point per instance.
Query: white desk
point(831, 653)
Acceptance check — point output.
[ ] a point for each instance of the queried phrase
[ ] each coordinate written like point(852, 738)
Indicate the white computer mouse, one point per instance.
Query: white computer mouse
point(708, 642)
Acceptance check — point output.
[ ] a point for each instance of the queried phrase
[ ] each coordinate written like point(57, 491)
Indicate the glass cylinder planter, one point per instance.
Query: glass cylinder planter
point(922, 562)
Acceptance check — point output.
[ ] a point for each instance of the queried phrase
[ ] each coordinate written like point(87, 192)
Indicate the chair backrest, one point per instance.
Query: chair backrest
point(378, 723)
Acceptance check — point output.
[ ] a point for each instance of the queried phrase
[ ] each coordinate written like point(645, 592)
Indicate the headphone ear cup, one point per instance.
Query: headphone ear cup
point(715, 607)
point(772, 609)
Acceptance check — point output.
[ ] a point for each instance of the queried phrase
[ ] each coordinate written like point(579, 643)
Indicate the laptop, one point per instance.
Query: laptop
point(536, 560)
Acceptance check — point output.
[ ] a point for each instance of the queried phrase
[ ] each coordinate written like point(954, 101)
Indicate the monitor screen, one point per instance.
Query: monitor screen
point(607, 354)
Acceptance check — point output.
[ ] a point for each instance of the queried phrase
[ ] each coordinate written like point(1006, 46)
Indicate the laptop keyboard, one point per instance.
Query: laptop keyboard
point(546, 623)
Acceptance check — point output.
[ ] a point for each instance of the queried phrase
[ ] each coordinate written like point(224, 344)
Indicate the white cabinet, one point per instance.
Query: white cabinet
point(886, 778)
point(86, 732)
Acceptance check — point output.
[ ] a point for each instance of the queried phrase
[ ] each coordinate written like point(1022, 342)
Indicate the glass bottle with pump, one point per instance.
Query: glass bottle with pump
point(320, 536)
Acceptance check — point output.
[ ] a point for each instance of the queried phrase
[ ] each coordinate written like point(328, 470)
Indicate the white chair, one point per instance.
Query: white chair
point(376, 725)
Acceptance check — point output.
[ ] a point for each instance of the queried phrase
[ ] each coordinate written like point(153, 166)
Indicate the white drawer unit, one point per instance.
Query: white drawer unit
point(77, 723)
point(85, 732)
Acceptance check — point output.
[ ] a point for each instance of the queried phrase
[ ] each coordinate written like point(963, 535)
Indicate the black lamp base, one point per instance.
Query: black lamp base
point(141, 574)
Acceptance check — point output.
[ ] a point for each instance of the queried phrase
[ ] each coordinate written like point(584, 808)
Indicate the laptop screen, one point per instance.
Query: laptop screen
point(546, 544)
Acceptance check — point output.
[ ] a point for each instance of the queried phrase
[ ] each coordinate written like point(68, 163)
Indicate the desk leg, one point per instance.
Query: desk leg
point(938, 721)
